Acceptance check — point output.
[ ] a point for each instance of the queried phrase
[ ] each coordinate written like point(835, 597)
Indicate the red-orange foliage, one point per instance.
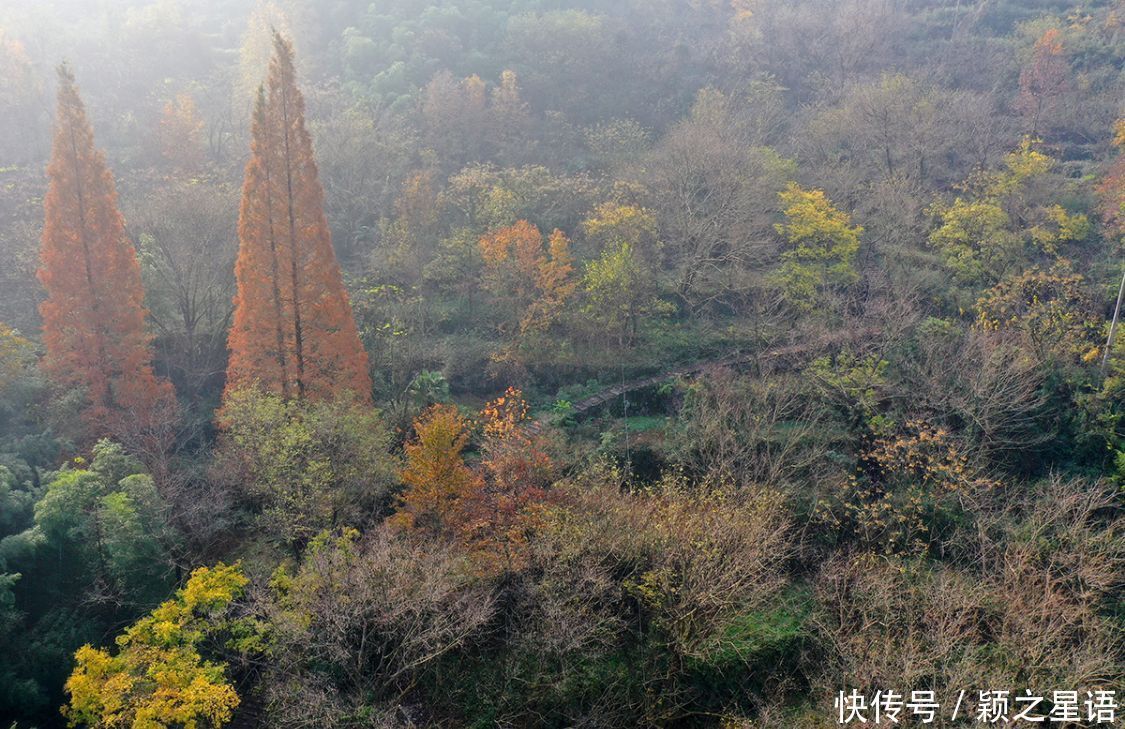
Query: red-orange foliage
point(500, 518)
point(556, 283)
point(94, 316)
point(512, 257)
point(436, 477)
point(1044, 80)
point(534, 280)
point(181, 129)
point(492, 513)
point(293, 330)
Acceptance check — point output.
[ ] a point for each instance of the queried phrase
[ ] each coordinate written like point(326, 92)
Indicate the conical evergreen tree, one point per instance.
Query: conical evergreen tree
point(94, 316)
point(293, 330)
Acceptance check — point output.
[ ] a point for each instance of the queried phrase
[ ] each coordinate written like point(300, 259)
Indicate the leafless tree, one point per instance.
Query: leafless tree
point(987, 386)
point(364, 619)
point(748, 430)
point(186, 238)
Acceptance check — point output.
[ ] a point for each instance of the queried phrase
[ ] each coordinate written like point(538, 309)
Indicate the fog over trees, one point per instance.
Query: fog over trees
point(560, 363)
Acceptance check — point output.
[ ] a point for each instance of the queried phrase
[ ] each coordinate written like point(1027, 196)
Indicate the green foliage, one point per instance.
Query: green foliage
point(109, 522)
point(26, 443)
point(305, 466)
point(754, 647)
point(974, 239)
point(562, 413)
point(94, 549)
point(19, 694)
point(762, 635)
point(428, 388)
point(883, 457)
point(620, 292)
point(856, 386)
point(17, 503)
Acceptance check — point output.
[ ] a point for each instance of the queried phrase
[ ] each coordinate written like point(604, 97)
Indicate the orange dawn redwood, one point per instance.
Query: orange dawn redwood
point(293, 331)
point(94, 316)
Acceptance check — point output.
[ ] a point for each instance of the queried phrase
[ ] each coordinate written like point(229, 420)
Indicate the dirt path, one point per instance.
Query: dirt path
point(733, 359)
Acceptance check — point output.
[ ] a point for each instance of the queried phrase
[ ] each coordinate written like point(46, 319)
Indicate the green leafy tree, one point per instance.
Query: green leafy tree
point(109, 522)
point(428, 388)
point(620, 291)
point(83, 553)
point(17, 503)
point(856, 386)
point(26, 445)
point(18, 693)
point(304, 466)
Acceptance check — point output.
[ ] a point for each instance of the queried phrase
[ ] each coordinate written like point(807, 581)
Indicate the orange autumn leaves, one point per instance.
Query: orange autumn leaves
point(1044, 80)
point(181, 134)
point(492, 510)
point(435, 476)
point(94, 316)
point(533, 280)
point(293, 331)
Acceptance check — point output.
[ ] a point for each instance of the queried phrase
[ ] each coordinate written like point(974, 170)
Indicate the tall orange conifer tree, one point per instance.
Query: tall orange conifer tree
point(293, 331)
point(94, 316)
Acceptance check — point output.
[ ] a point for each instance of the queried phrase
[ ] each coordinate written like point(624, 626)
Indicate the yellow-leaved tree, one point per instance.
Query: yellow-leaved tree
point(1006, 217)
point(822, 245)
point(158, 678)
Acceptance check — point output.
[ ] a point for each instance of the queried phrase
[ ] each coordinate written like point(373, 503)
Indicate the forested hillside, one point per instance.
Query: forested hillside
point(560, 363)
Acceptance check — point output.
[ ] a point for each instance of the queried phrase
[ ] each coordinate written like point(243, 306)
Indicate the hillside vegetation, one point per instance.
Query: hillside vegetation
point(558, 363)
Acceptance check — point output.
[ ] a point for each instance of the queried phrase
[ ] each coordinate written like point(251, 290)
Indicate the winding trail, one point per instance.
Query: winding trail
point(252, 711)
point(734, 359)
